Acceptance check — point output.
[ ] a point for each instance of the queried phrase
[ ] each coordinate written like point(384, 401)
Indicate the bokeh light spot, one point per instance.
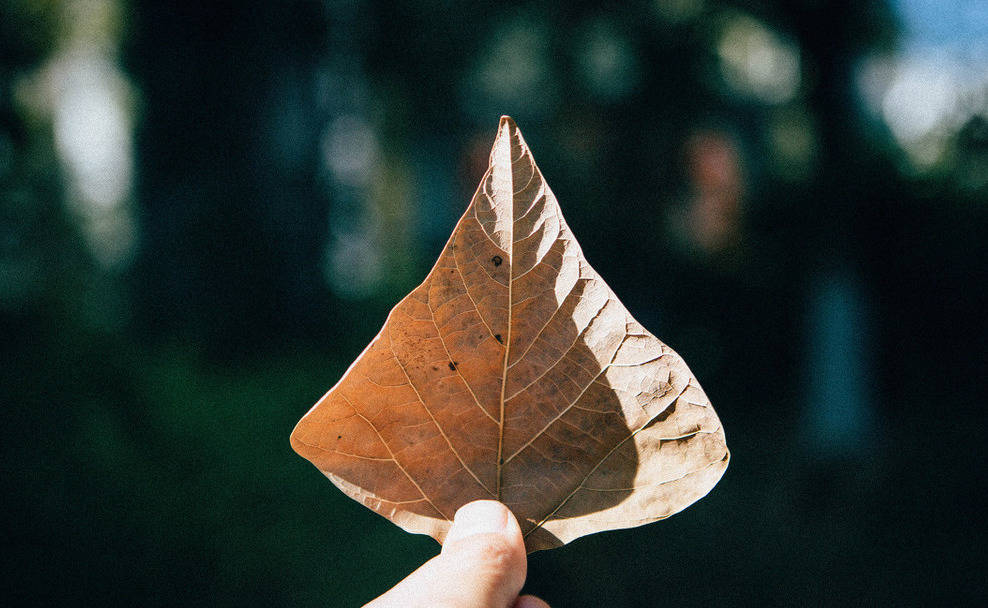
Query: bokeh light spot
point(758, 62)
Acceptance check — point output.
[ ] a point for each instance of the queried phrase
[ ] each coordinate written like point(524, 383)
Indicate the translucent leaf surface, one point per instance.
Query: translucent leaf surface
point(514, 372)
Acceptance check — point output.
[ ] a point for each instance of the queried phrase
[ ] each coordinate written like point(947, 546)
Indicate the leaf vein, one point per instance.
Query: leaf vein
point(428, 411)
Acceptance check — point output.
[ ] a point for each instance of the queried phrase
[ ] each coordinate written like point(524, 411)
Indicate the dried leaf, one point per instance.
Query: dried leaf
point(513, 372)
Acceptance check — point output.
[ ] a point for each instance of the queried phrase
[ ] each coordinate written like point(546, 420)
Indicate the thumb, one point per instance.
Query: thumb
point(482, 564)
point(486, 543)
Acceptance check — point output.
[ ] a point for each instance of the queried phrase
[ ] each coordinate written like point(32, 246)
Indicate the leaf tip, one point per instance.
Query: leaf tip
point(295, 440)
point(509, 145)
point(507, 129)
point(301, 437)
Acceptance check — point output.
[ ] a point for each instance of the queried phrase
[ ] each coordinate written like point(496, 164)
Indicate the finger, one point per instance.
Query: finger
point(482, 564)
point(530, 601)
point(486, 543)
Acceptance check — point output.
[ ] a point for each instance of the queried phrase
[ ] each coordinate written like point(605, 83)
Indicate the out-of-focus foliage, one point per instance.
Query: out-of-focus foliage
point(206, 210)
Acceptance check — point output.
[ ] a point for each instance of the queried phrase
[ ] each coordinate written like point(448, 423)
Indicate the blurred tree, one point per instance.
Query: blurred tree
point(233, 220)
point(64, 372)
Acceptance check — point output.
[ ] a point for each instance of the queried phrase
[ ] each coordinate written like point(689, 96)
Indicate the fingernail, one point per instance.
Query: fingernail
point(478, 517)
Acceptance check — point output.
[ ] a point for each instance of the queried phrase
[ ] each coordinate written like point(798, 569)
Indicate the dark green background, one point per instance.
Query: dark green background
point(146, 409)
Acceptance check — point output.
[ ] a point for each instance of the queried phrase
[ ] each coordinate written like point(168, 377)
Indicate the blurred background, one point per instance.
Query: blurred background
point(207, 210)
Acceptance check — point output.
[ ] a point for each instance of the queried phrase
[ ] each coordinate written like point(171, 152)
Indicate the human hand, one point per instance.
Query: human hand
point(482, 565)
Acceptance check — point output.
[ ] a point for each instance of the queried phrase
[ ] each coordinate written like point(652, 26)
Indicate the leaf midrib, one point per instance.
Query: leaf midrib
point(507, 341)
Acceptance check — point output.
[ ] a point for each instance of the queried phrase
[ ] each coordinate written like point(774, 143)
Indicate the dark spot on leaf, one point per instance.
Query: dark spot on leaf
point(339, 436)
point(435, 369)
point(452, 366)
point(498, 338)
point(497, 260)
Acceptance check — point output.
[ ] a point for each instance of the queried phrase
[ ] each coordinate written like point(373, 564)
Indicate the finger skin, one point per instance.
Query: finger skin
point(530, 601)
point(477, 568)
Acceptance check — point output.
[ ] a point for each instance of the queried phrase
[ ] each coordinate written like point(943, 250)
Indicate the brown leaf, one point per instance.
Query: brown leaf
point(513, 372)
